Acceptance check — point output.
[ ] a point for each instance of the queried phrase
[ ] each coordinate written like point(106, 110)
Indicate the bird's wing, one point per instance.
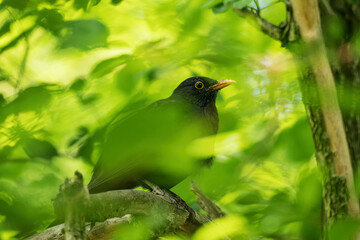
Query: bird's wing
point(138, 144)
point(109, 179)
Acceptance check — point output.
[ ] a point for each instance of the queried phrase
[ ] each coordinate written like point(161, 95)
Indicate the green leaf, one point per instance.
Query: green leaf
point(2, 100)
point(81, 4)
point(88, 99)
point(51, 20)
point(78, 84)
point(344, 229)
point(85, 34)
point(31, 99)
point(39, 148)
point(6, 198)
point(241, 3)
point(108, 65)
point(81, 133)
point(18, 4)
point(116, 2)
point(5, 28)
point(128, 77)
point(95, 2)
point(15, 41)
point(297, 141)
point(220, 8)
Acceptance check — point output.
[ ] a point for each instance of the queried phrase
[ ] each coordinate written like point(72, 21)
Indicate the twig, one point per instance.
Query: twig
point(268, 28)
point(206, 204)
point(257, 6)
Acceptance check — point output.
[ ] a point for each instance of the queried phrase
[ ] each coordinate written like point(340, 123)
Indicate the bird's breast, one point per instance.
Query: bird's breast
point(210, 118)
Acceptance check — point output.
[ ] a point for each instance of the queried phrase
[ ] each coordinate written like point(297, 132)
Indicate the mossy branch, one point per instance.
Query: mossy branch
point(117, 204)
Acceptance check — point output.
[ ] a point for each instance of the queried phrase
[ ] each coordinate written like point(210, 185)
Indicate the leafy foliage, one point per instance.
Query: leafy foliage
point(70, 67)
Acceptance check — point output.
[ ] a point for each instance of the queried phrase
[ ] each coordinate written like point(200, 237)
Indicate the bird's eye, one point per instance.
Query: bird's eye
point(199, 85)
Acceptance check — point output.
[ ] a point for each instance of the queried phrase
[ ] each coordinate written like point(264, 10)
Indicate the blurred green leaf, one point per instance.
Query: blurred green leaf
point(6, 198)
point(78, 84)
point(222, 227)
point(16, 40)
point(344, 229)
point(108, 65)
point(116, 2)
point(239, 4)
point(5, 28)
point(85, 34)
point(18, 4)
point(95, 2)
point(51, 20)
point(128, 78)
point(90, 98)
point(81, 4)
point(297, 141)
point(2, 100)
point(36, 148)
point(31, 99)
point(80, 134)
point(220, 8)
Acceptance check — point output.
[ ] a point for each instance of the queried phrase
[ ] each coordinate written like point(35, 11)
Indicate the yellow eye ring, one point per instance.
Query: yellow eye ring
point(199, 85)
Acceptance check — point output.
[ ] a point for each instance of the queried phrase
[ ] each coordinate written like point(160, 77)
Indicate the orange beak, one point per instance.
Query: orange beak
point(220, 84)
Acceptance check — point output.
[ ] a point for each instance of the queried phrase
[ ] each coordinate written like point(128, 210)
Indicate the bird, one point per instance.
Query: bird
point(152, 145)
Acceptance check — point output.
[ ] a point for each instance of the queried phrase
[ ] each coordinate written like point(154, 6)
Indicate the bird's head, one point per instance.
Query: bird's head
point(200, 90)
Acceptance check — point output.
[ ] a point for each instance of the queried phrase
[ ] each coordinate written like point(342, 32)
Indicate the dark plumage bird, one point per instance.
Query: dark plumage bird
point(157, 143)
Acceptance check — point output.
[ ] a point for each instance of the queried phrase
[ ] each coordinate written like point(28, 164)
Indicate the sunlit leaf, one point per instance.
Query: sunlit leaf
point(16, 40)
point(224, 227)
point(31, 99)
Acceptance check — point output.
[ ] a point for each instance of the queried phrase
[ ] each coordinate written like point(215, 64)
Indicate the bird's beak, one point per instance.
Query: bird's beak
point(220, 84)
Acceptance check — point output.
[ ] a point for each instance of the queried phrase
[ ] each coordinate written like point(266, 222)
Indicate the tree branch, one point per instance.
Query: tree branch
point(99, 231)
point(107, 205)
point(268, 28)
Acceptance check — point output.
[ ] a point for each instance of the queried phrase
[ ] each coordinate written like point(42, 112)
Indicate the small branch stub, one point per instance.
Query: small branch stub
point(75, 196)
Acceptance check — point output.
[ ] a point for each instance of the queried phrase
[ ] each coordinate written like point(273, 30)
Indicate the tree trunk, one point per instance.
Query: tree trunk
point(339, 22)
